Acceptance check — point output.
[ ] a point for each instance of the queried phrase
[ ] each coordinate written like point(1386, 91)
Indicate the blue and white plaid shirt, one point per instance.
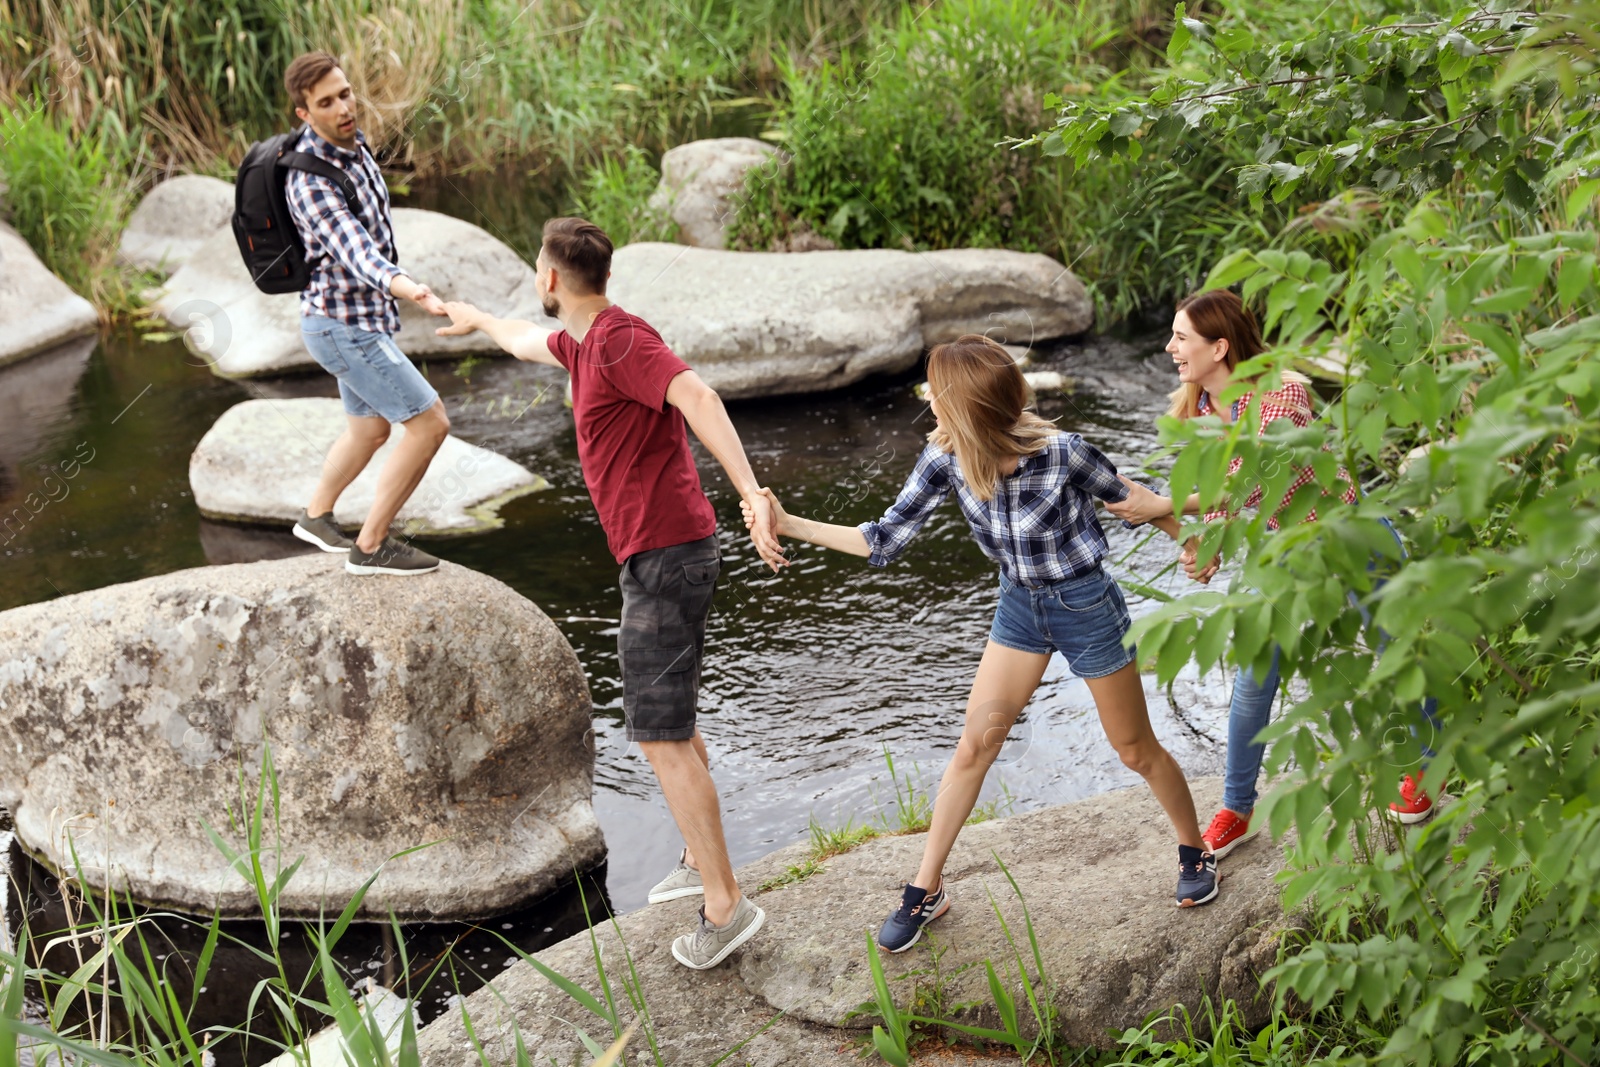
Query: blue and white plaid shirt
point(352, 261)
point(1040, 525)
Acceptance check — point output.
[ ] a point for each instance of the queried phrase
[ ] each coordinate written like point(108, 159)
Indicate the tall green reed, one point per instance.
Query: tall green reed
point(69, 199)
point(446, 83)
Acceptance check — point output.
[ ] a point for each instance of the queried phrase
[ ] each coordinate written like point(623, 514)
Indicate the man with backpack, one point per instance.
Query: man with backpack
point(349, 313)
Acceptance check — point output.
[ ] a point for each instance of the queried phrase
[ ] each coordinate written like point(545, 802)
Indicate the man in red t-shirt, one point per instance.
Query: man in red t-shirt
point(631, 397)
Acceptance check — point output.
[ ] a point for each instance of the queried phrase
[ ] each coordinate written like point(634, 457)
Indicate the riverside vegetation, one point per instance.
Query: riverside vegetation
point(1409, 193)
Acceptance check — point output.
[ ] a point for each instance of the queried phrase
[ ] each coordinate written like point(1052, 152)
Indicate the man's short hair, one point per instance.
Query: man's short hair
point(305, 72)
point(581, 249)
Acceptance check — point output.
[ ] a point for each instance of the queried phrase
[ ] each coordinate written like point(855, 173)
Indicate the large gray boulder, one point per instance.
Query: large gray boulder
point(38, 309)
point(445, 711)
point(701, 182)
point(260, 462)
point(768, 323)
point(245, 333)
point(173, 220)
point(1097, 877)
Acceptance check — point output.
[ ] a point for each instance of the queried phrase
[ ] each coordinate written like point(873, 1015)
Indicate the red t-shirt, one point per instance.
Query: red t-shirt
point(633, 447)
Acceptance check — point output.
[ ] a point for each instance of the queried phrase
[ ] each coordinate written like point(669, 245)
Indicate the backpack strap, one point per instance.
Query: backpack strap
point(314, 165)
point(305, 161)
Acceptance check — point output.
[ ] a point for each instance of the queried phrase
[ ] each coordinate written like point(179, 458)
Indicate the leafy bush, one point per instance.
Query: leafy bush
point(894, 147)
point(615, 196)
point(68, 199)
point(1471, 418)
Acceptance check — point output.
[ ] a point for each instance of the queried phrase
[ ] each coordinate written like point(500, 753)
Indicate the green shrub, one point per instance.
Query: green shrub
point(68, 199)
point(615, 196)
point(1470, 418)
point(895, 147)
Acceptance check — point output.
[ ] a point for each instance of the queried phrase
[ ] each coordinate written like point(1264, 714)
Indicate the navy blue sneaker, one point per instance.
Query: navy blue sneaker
point(1197, 877)
point(918, 908)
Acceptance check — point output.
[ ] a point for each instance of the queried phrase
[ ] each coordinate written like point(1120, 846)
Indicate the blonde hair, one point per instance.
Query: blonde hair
point(1219, 315)
point(983, 409)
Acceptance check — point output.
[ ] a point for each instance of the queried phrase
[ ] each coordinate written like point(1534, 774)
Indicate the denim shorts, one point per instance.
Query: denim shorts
point(1083, 618)
point(375, 377)
point(666, 599)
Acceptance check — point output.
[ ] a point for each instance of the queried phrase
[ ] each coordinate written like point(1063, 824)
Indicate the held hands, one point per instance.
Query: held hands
point(409, 288)
point(1141, 505)
point(463, 318)
point(1190, 558)
point(428, 302)
point(765, 518)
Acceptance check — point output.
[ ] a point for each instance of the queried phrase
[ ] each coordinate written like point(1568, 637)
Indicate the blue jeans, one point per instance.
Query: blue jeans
point(1251, 709)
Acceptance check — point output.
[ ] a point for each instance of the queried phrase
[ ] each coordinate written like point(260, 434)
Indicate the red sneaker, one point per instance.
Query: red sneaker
point(1227, 829)
point(1415, 805)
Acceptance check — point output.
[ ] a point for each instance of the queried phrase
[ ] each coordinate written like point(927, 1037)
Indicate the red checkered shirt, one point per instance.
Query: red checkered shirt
point(1291, 402)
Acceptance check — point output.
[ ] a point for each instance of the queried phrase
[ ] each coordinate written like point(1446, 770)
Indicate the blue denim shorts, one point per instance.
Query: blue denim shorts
point(375, 377)
point(1083, 618)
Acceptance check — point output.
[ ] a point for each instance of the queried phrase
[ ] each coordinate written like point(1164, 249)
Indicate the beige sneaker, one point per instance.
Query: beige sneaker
point(684, 881)
point(710, 945)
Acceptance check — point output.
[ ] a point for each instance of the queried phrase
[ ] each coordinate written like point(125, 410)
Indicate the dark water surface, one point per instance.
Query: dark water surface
point(809, 677)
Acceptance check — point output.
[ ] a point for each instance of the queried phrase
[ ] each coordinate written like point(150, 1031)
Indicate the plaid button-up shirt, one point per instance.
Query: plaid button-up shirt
point(1291, 402)
point(1040, 526)
point(351, 254)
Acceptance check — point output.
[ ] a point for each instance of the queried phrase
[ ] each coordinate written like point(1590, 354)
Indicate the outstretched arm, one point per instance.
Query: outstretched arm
point(522, 339)
point(1143, 505)
point(703, 410)
point(827, 534)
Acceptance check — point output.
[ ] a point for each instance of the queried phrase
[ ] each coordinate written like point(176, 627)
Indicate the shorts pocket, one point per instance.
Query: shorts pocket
point(324, 348)
point(658, 687)
point(701, 572)
point(1087, 596)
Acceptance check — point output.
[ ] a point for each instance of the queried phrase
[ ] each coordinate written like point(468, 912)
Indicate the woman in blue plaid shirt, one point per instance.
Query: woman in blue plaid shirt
point(1027, 489)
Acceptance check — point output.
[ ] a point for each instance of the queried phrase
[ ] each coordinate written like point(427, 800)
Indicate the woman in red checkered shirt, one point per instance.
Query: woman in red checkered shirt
point(1212, 333)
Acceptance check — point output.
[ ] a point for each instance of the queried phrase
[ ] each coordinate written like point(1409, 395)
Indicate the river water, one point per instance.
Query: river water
point(810, 676)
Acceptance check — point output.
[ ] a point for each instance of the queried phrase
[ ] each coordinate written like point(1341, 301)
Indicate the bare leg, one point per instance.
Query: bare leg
point(692, 799)
point(348, 457)
point(1119, 698)
point(403, 471)
point(699, 744)
point(1004, 685)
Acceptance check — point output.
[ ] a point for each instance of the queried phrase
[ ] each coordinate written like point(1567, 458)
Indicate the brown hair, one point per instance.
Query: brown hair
point(983, 417)
point(1219, 315)
point(581, 249)
point(305, 72)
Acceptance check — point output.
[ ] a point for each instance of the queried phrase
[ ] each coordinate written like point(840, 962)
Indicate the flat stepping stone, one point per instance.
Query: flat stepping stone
point(38, 309)
point(260, 462)
point(245, 333)
point(756, 324)
point(173, 220)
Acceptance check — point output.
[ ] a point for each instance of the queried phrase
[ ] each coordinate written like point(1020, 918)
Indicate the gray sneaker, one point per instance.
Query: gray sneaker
point(684, 881)
point(323, 532)
point(710, 945)
point(392, 557)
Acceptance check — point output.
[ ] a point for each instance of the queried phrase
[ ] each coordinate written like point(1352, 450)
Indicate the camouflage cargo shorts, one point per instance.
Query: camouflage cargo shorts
point(666, 598)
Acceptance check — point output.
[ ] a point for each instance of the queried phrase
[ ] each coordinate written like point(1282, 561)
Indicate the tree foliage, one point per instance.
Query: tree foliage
point(1470, 418)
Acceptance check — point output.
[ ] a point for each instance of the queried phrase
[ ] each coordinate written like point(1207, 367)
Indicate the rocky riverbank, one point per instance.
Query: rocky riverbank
point(1095, 878)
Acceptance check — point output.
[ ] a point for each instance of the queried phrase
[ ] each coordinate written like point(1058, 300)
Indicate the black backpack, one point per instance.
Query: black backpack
point(271, 246)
